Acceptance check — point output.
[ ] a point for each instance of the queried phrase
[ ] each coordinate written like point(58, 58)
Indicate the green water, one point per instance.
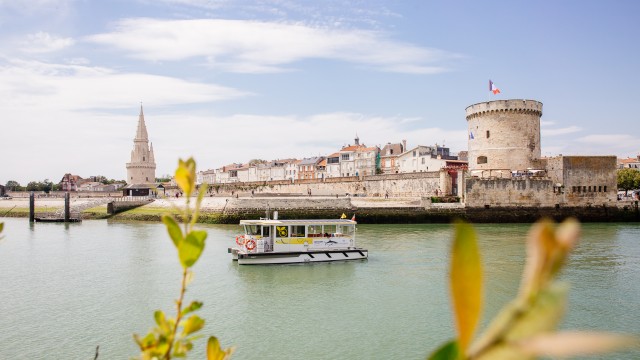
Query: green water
point(66, 289)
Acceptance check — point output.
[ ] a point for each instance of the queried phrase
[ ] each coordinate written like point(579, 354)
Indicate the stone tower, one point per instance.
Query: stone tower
point(142, 168)
point(504, 134)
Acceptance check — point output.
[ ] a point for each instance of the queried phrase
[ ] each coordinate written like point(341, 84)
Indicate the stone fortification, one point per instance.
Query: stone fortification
point(395, 185)
point(568, 181)
point(504, 134)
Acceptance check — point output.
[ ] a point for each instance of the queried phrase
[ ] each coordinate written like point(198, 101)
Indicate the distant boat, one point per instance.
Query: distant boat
point(273, 241)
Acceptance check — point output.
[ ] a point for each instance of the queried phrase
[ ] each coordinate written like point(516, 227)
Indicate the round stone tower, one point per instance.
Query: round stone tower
point(504, 134)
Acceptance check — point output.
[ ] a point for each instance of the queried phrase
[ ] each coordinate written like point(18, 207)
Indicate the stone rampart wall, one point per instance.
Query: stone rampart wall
point(510, 192)
point(412, 184)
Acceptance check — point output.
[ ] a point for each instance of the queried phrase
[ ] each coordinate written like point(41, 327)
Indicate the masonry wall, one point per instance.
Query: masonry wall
point(510, 192)
point(396, 185)
point(571, 181)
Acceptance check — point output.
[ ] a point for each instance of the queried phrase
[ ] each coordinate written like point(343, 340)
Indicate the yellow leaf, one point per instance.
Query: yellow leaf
point(215, 352)
point(576, 343)
point(466, 283)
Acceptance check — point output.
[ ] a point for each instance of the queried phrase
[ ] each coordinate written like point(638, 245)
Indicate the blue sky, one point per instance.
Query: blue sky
point(229, 81)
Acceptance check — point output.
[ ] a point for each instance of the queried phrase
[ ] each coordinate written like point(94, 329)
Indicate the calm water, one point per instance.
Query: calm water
point(66, 289)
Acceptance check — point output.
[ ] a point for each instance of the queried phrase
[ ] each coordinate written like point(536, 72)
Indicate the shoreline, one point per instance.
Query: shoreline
point(228, 210)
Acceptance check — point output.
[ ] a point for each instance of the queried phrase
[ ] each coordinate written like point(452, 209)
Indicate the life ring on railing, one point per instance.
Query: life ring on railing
point(240, 240)
point(250, 244)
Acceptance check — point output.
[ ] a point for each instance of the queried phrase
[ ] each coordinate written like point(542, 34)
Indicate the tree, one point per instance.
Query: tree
point(628, 179)
point(13, 185)
point(34, 186)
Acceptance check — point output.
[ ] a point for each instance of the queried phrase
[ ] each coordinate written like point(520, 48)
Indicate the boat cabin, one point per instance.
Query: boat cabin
point(296, 235)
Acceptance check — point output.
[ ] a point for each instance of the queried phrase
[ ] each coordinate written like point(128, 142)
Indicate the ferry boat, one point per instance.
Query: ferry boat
point(273, 241)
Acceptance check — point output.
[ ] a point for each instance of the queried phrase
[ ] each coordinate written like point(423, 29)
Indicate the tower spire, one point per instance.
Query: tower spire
point(141, 134)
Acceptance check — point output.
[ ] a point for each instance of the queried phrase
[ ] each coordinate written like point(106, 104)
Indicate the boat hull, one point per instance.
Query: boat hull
point(298, 257)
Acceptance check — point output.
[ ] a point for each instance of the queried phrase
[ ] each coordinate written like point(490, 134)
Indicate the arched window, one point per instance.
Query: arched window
point(482, 159)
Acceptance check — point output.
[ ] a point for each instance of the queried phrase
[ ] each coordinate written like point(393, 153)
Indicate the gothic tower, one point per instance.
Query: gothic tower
point(142, 168)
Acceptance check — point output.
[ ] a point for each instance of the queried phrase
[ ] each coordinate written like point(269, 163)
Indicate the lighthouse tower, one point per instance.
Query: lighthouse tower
point(141, 170)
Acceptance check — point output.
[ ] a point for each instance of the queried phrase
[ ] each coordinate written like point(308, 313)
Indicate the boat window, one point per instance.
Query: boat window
point(314, 230)
point(282, 231)
point(252, 229)
point(265, 231)
point(346, 229)
point(297, 230)
point(329, 229)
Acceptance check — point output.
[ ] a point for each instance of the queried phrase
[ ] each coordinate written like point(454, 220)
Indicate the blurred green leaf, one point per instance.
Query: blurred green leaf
point(215, 352)
point(448, 351)
point(161, 320)
point(195, 305)
point(192, 324)
point(466, 283)
point(543, 315)
point(173, 229)
point(186, 175)
point(191, 248)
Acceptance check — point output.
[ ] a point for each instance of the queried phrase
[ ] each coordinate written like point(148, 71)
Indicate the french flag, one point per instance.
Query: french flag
point(493, 88)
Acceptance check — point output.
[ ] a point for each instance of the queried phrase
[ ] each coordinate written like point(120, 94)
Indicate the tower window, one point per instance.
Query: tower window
point(482, 159)
point(488, 134)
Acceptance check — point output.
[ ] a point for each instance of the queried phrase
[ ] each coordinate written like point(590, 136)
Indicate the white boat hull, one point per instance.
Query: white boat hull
point(296, 257)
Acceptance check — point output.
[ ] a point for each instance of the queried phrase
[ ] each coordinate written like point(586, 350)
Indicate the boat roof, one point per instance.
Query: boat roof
point(299, 222)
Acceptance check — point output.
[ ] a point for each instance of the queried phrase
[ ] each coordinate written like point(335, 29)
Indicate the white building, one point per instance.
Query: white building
point(423, 158)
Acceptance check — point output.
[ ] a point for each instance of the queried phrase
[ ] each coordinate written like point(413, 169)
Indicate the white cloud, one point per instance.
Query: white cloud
point(43, 42)
point(76, 87)
point(609, 140)
point(562, 131)
point(254, 46)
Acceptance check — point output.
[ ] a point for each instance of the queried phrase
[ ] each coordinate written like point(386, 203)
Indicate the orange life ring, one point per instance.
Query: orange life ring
point(240, 240)
point(251, 244)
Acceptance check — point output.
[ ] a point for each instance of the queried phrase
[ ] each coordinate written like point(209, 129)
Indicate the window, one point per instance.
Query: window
point(345, 156)
point(329, 229)
point(414, 153)
point(252, 229)
point(605, 188)
point(600, 188)
point(265, 231)
point(422, 161)
point(482, 159)
point(584, 189)
point(297, 230)
point(314, 230)
point(488, 134)
point(143, 158)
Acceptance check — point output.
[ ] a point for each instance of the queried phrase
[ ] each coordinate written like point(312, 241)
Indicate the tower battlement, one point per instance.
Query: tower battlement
point(517, 106)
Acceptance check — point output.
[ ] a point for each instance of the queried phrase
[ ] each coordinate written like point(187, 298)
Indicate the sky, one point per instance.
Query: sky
point(227, 81)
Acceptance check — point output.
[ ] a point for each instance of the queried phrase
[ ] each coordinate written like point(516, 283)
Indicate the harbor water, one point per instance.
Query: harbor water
point(65, 289)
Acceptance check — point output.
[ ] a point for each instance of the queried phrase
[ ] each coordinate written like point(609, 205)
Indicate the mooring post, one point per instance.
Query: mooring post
point(32, 207)
point(66, 207)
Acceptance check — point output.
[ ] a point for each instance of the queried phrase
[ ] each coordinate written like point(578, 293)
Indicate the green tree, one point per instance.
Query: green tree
point(46, 186)
point(628, 179)
point(13, 185)
point(34, 186)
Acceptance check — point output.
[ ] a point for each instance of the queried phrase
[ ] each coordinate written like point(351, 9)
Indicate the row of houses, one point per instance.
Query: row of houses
point(350, 160)
point(71, 182)
point(629, 163)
